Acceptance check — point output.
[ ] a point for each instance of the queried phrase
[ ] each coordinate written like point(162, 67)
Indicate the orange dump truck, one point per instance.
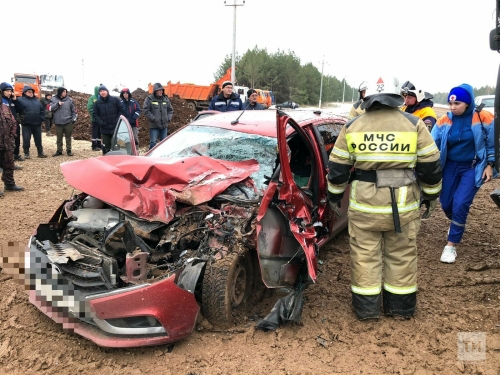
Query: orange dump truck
point(21, 79)
point(197, 97)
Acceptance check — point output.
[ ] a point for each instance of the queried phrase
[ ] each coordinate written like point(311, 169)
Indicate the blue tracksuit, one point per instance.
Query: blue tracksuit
point(466, 146)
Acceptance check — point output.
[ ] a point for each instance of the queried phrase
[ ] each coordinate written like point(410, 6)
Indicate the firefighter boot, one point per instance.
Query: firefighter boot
point(399, 304)
point(366, 307)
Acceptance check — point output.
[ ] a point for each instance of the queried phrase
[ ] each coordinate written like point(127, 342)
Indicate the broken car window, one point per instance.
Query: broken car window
point(222, 144)
point(329, 133)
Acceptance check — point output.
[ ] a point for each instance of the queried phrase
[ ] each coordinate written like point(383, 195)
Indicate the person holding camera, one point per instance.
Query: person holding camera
point(65, 117)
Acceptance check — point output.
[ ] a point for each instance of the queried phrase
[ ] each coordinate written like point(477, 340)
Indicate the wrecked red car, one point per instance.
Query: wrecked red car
point(229, 204)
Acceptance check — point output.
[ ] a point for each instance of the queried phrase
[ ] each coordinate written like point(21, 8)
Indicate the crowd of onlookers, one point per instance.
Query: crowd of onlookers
point(22, 118)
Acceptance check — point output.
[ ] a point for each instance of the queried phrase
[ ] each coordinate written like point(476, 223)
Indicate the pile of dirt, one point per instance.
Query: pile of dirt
point(82, 130)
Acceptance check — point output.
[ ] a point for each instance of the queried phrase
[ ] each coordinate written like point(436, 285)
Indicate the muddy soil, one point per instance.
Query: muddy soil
point(463, 297)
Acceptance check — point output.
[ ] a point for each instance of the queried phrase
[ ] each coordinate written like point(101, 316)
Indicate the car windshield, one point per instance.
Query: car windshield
point(222, 144)
point(24, 79)
point(489, 102)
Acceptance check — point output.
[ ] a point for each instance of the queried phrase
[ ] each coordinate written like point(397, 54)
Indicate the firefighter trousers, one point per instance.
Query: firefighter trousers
point(392, 254)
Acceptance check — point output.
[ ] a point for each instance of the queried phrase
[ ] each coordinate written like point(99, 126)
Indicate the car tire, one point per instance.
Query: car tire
point(226, 287)
point(278, 107)
point(191, 105)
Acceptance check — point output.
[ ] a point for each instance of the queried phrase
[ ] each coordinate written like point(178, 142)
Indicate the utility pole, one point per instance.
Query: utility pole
point(321, 84)
point(233, 62)
point(343, 92)
point(352, 99)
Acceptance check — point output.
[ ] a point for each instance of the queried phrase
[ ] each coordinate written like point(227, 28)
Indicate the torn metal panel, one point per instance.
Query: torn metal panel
point(60, 253)
point(150, 187)
point(136, 268)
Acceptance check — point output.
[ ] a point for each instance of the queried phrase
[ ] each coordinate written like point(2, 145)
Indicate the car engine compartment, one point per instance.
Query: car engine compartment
point(99, 247)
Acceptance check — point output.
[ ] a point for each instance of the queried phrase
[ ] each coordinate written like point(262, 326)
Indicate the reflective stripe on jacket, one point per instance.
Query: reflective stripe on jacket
point(484, 140)
point(384, 139)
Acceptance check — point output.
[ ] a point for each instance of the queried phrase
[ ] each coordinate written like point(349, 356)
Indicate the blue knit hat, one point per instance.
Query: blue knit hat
point(459, 94)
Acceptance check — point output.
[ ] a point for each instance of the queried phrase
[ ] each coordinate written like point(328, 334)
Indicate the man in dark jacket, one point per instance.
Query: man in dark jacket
point(251, 104)
point(96, 130)
point(65, 116)
point(9, 99)
point(227, 100)
point(32, 116)
point(107, 111)
point(159, 111)
point(48, 115)
point(132, 111)
point(8, 127)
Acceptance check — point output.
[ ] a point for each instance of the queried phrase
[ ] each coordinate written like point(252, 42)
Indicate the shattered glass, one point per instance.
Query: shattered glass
point(222, 144)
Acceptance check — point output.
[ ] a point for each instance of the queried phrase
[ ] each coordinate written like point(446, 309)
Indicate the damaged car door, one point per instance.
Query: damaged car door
point(123, 141)
point(286, 235)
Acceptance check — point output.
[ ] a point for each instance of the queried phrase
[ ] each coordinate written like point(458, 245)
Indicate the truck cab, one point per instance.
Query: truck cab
point(21, 79)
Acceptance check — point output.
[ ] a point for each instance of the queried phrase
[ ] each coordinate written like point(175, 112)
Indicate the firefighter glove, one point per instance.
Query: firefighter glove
point(335, 206)
point(431, 206)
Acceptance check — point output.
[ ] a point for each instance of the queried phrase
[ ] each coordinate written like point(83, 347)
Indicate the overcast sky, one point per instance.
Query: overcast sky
point(435, 44)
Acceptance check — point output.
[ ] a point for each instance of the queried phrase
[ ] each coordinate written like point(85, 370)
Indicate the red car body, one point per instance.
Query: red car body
point(155, 193)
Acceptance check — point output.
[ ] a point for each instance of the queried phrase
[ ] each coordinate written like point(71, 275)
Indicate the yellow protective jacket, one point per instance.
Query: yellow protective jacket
point(384, 138)
point(356, 109)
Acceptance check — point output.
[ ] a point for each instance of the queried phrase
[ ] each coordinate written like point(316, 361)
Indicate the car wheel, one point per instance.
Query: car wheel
point(227, 285)
point(191, 105)
point(278, 107)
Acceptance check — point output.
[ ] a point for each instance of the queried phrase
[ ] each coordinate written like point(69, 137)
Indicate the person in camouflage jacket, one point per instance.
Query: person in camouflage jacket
point(8, 127)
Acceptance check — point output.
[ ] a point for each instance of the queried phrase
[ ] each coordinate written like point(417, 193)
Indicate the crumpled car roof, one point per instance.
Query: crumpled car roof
point(149, 187)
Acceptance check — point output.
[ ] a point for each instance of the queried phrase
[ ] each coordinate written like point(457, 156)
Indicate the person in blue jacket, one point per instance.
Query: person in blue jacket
point(132, 111)
point(227, 100)
point(465, 138)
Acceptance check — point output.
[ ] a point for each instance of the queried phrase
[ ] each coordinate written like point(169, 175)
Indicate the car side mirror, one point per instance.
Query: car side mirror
point(494, 40)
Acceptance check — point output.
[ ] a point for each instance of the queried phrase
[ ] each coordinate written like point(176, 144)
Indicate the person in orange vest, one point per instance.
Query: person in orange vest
point(418, 103)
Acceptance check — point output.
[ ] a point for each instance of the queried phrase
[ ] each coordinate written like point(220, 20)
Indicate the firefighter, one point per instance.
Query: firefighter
point(397, 171)
point(418, 103)
point(356, 107)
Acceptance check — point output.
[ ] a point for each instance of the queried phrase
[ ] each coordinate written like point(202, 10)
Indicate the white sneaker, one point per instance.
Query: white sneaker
point(449, 254)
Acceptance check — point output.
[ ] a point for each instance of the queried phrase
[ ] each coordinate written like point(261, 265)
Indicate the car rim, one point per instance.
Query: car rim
point(239, 286)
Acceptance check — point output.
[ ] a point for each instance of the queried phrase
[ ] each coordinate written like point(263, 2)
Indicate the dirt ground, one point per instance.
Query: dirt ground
point(463, 297)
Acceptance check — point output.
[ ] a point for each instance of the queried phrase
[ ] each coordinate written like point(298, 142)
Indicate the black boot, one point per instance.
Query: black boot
point(27, 155)
point(40, 153)
point(399, 304)
point(18, 158)
point(69, 153)
point(366, 307)
point(13, 187)
point(58, 153)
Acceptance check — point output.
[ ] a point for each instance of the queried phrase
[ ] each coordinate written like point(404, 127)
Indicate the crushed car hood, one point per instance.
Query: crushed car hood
point(149, 187)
